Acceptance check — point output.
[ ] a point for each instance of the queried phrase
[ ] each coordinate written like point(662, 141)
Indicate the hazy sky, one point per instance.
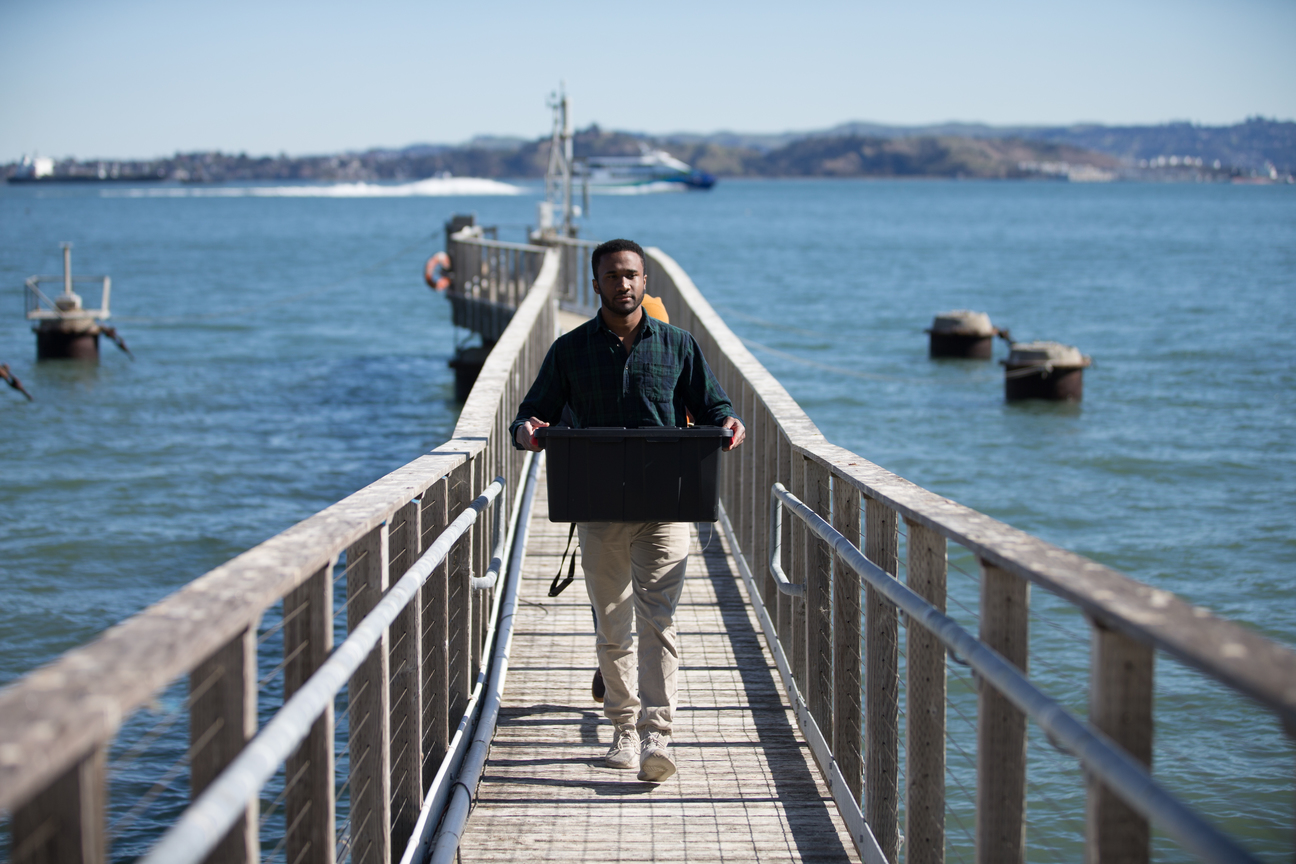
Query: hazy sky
point(147, 78)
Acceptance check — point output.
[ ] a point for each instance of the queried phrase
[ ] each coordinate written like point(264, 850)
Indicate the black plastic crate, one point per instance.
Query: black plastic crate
point(653, 474)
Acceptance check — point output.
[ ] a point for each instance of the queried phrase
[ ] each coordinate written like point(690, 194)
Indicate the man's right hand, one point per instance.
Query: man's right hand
point(526, 437)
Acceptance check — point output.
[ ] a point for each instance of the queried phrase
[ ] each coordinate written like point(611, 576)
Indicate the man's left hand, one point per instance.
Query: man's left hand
point(739, 431)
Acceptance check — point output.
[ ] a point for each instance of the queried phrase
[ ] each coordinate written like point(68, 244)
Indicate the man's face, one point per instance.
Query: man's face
point(620, 282)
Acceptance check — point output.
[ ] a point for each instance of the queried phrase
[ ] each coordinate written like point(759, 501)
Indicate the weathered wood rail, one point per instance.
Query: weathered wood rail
point(837, 637)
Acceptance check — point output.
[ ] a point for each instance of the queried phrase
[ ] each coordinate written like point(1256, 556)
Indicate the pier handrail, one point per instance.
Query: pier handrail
point(57, 723)
point(193, 836)
point(1099, 754)
point(489, 278)
point(841, 637)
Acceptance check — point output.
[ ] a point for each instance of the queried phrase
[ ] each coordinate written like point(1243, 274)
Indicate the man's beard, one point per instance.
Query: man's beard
point(606, 304)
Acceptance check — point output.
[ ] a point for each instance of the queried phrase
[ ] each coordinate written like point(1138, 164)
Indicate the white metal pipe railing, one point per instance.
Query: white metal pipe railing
point(202, 826)
point(452, 774)
point(1116, 768)
point(487, 581)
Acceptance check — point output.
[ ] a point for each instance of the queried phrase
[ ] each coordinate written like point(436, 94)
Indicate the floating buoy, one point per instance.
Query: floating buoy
point(65, 328)
point(436, 272)
point(963, 333)
point(1044, 370)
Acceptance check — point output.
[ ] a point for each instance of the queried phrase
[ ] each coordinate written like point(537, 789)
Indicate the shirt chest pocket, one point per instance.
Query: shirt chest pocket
point(657, 383)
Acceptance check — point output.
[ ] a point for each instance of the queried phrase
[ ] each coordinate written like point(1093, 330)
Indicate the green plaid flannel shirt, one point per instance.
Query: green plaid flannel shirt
point(590, 370)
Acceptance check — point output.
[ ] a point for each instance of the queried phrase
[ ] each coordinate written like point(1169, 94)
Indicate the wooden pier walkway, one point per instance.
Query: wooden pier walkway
point(800, 710)
point(747, 788)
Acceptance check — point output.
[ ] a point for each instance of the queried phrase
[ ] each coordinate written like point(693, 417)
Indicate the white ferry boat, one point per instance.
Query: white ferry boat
point(651, 171)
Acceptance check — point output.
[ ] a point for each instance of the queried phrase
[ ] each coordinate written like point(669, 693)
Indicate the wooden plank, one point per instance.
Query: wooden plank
point(1120, 705)
point(1001, 728)
point(369, 700)
point(819, 644)
point(925, 704)
point(882, 684)
point(309, 806)
point(847, 737)
point(64, 823)
point(406, 653)
point(730, 463)
point(222, 719)
point(764, 446)
point(459, 597)
point(746, 488)
point(435, 638)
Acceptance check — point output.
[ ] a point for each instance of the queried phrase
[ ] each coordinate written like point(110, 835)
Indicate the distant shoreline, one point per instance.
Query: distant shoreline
point(1257, 150)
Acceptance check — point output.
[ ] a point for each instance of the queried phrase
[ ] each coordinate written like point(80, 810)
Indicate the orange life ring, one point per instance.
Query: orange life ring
point(439, 281)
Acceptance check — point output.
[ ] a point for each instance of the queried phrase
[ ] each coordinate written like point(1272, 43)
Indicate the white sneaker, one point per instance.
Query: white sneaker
point(656, 765)
point(625, 748)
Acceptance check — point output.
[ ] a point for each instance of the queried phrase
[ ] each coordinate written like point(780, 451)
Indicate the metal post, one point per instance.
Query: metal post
point(67, 268)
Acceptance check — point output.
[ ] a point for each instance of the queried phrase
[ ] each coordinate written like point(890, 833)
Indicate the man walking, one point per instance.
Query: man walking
point(621, 368)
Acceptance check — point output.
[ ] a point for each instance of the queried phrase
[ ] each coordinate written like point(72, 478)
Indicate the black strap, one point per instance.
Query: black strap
point(554, 587)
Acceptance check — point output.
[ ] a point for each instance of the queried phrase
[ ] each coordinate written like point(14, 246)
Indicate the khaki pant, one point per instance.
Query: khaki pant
point(634, 571)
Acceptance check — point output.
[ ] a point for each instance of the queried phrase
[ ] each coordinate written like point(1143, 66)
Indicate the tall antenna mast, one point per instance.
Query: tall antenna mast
point(558, 178)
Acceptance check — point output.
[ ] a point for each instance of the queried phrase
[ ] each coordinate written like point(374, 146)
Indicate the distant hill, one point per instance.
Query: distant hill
point(1253, 144)
point(1175, 151)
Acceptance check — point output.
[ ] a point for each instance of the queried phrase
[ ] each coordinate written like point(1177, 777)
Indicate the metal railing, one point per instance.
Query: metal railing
point(1101, 756)
point(489, 279)
point(410, 680)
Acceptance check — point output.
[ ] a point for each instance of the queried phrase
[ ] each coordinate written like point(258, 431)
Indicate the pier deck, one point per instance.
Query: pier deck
point(746, 790)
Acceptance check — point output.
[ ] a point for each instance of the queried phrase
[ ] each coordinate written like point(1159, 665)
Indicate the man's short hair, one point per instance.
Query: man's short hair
point(612, 246)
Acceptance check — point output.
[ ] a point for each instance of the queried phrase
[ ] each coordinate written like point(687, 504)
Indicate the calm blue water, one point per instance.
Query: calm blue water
point(288, 353)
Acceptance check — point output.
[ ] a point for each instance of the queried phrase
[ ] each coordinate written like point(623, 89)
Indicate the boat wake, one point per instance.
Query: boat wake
point(639, 189)
point(431, 187)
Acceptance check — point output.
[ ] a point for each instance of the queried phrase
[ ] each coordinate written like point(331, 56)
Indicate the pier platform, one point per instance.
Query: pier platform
point(747, 788)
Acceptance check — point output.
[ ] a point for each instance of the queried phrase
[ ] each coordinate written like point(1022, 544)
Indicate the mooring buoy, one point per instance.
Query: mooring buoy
point(65, 328)
point(963, 333)
point(1044, 370)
